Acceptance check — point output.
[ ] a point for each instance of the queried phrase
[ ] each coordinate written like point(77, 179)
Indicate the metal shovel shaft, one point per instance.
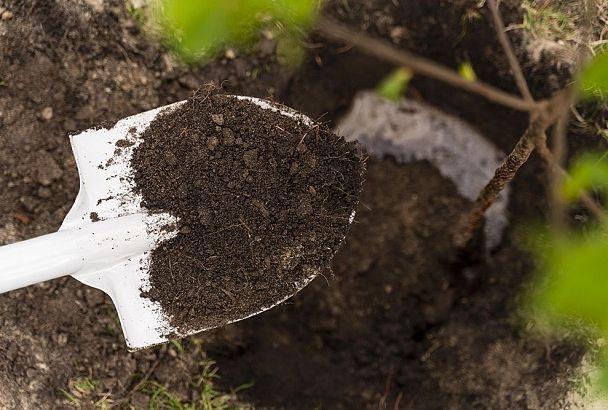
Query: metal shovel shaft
point(88, 248)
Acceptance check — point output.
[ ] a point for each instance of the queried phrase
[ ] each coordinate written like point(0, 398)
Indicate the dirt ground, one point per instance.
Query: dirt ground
point(398, 325)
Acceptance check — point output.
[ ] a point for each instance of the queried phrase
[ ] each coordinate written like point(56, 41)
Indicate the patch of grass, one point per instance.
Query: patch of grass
point(161, 398)
point(548, 20)
point(470, 16)
point(70, 397)
point(563, 23)
point(473, 12)
point(557, 28)
point(178, 346)
point(81, 394)
point(137, 12)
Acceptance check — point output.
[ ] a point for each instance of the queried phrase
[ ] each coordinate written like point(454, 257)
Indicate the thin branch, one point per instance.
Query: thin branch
point(591, 205)
point(539, 122)
point(338, 32)
point(508, 49)
point(560, 147)
point(503, 175)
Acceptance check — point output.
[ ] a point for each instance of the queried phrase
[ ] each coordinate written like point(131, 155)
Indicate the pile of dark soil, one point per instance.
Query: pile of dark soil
point(263, 202)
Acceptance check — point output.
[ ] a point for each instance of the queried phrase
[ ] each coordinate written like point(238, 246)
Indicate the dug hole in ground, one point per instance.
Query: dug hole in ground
point(397, 323)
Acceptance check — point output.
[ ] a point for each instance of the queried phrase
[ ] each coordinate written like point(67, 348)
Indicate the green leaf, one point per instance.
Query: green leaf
point(466, 71)
point(290, 52)
point(198, 29)
point(593, 81)
point(601, 384)
point(574, 280)
point(394, 85)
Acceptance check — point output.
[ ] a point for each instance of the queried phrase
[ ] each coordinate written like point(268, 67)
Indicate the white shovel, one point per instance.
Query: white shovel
point(113, 253)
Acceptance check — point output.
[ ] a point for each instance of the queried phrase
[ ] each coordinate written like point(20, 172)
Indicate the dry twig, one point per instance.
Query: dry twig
point(501, 33)
point(338, 32)
point(555, 168)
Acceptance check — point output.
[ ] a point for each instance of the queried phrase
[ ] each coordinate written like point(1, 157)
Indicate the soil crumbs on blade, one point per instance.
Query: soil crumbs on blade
point(263, 202)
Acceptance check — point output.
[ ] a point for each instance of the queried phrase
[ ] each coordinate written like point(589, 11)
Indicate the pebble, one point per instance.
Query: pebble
point(230, 54)
point(7, 15)
point(29, 203)
point(61, 339)
point(398, 33)
point(44, 192)
point(47, 169)
point(212, 143)
point(47, 113)
point(218, 119)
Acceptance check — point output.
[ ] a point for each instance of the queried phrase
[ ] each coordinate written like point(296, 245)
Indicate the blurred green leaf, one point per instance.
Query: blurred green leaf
point(466, 71)
point(394, 85)
point(601, 384)
point(594, 78)
point(574, 283)
point(289, 51)
point(197, 28)
point(586, 173)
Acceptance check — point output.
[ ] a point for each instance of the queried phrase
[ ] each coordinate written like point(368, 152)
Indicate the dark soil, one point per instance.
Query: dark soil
point(451, 339)
point(401, 326)
point(263, 203)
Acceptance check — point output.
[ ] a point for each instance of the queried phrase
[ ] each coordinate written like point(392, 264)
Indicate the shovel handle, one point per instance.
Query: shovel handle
point(39, 259)
point(92, 247)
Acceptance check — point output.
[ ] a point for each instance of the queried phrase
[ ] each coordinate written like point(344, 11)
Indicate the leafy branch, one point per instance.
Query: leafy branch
point(543, 114)
point(335, 31)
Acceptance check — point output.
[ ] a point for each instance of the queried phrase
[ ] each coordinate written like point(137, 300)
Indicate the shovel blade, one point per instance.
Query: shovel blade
point(103, 156)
